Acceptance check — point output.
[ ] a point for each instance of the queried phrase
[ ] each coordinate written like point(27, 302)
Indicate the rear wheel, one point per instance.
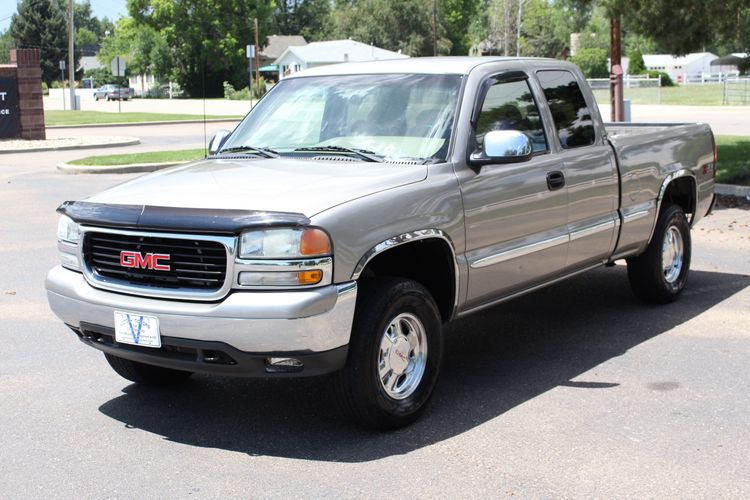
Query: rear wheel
point(142, 373)
point(660, 273)
point(394, 355)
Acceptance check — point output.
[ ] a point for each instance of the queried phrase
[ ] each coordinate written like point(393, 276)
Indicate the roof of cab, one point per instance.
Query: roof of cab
point(456, 65)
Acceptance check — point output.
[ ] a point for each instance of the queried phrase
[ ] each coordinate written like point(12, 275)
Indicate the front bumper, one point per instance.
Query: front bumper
point(249, 325)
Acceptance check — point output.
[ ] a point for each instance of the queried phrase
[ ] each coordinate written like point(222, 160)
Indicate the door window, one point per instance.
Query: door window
point(570, 112)
point(511, 106)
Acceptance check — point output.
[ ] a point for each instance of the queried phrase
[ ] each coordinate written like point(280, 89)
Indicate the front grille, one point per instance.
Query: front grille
point(194, 264)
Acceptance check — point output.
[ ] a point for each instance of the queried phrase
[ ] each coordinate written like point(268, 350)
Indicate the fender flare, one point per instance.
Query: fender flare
point(410, 237)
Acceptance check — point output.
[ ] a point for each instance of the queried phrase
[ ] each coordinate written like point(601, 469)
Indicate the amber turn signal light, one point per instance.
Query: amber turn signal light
point(314, 242)
point(309, 277)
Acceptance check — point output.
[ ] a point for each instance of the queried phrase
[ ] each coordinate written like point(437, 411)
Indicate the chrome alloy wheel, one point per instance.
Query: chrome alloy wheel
point(403, 356)
point(672, 254)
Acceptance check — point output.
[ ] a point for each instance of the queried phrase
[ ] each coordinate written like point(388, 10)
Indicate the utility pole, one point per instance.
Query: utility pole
point(615, 73)
point(257, 54)
point(71, 59)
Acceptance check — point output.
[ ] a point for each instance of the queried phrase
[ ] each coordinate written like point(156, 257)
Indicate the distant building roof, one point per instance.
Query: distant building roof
point(670, 60)
point(87, 63)
point(337, 51)
point(730, 60)
point(277, 44)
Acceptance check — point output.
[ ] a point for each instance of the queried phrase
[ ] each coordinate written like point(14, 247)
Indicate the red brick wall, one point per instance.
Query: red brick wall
point(30, 104)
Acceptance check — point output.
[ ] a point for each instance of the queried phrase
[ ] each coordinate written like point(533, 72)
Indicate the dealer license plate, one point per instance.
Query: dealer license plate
point(137, 329)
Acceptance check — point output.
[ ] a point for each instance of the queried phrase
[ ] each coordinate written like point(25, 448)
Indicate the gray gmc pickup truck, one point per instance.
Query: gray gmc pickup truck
point(359, 207)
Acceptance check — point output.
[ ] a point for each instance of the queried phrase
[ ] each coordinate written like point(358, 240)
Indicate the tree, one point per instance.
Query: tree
point(457, 16)
point(144, 50)
point(546, 28)
point(398, 25)
point(42, 24)
point(636, 66)
point(302, 17)
point(206, 39)
point(84, 36)
point(6, 43)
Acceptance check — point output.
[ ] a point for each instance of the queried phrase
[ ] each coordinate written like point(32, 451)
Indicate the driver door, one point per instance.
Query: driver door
point(515, 213)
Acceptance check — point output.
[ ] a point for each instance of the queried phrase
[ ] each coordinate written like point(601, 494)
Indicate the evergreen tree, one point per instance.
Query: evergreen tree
point(43, 24)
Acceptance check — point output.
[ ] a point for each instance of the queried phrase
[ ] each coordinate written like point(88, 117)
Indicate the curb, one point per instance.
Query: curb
point(128, 124)
point(130, 142)
point(66, 168)
point(732, 190)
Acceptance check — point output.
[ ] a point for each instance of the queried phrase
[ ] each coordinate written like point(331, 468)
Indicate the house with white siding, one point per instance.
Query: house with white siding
point(330, 52)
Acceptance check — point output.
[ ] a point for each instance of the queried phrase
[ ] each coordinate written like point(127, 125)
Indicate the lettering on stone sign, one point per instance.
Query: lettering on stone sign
point(2, 95)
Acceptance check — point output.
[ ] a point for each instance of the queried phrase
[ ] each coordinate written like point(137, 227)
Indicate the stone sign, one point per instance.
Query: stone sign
point(21, 105)
point(10, 122)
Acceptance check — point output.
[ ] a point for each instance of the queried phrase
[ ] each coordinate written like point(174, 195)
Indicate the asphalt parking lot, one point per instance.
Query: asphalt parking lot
point(575, 391)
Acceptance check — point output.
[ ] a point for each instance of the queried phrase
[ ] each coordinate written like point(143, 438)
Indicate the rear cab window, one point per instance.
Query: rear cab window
point(570, 113)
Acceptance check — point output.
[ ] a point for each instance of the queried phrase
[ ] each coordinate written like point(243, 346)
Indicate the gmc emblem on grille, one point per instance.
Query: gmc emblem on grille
point(148, 261)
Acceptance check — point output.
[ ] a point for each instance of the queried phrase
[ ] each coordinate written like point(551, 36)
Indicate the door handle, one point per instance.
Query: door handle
point(555, 180)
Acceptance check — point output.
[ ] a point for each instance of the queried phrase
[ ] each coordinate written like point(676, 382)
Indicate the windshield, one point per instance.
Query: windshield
point(393, 116)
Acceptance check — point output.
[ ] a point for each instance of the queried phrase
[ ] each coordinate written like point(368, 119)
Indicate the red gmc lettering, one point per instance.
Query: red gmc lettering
point(148, 261)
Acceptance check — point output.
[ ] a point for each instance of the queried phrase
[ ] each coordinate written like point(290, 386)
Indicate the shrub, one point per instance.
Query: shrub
point(593, 62)
point(666, 80)
point(235, 95)
point(744, 66)
point(259, 88)
point(45, 89)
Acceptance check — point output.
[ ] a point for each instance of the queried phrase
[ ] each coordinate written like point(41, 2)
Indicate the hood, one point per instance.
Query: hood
point(273, 185)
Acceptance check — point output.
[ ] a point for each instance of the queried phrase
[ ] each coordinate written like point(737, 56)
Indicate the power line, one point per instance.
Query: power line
point(32, 4)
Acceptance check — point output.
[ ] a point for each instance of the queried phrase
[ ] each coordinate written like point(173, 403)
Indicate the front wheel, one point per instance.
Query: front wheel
point(142, 373)
point(660, 273)
point(394, 354)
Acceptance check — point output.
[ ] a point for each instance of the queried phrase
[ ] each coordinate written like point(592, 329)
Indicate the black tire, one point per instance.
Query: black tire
point(359, 391)
point(96, 98)
point(648, 279)
point(141, 373)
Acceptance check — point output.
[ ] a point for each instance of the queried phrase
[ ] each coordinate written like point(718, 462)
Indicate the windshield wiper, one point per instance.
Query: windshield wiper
point(360, 153)
point(264, 152)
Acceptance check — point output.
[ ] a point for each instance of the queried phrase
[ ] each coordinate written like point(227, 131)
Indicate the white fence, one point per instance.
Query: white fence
point(737, 91)
point(629, 81)
point(704, 78)
point(636, 87)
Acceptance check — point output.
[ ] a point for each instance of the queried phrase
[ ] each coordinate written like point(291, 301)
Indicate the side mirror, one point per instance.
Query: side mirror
point(503, 146)
point(217, 141)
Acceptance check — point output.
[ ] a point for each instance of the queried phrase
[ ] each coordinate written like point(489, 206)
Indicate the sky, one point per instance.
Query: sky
point(112, 9)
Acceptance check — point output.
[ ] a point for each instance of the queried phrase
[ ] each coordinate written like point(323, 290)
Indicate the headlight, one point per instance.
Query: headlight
point(284, 243)
point(68, 234)
point(67, 230)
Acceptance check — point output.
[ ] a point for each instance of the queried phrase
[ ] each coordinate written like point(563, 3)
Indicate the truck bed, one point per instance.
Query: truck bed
point(647, 153)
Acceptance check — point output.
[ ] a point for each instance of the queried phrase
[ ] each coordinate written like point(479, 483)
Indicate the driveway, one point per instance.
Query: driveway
point(575, 391)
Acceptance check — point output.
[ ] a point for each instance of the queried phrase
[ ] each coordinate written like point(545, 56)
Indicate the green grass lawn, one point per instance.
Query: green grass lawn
point(148, 157)
point(58, 117)
point(686, 95)
point(734, 160)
